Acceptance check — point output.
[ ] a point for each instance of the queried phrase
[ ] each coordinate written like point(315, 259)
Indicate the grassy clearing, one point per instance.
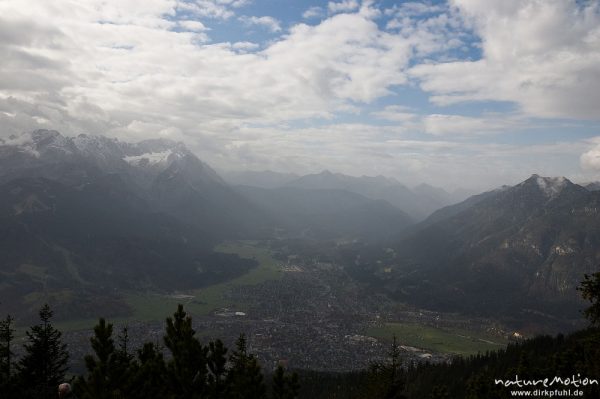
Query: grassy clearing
point(267, 268)
point(437, 339)
point(156, 307)
point(149, 307)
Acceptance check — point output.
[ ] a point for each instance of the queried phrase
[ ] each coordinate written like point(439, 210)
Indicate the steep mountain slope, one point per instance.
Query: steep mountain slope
point(594, 186)
point(82, 217)
point(165, 173)
point(515, 251)
point(80, 246)
point(417, 203)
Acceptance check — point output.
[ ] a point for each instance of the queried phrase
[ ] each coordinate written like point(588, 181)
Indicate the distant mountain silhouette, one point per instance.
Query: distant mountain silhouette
point(328, 213)
point(418, 203)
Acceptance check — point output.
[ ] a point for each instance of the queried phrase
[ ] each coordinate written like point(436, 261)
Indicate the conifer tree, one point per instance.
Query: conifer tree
point(149, 374)
point(110, 369)
point(385, 380)
point(244, 379)
point(122, 366)
point(395, 383)
point(98, 384)
point(6, 354)
point(217, 370)
point(590, 290)
point(44, 364)
point(187, 369)
point(285, 386)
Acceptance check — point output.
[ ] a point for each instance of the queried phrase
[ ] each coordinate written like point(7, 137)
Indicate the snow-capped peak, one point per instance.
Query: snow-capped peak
point(40, 141)
point(551, 186)
point(151, 158)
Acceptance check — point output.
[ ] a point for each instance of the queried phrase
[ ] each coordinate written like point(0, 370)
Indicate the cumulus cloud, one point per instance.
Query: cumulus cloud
point(195, 26)
point(111, 63)
point(451, 125)
point(245, 46)
point(147, 69)
point(437, 29)
point(541, 55)
point(219, 9)
point(342, 6)
point(590, 160)
point(267, 22)
point(313, 12)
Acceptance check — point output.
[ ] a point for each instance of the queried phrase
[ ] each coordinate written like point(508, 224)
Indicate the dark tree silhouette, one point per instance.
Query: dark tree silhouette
point(187, 369)
point(217, 370)
point(244, 379)
point(7, 334)
point(44, 363)
point(285, 385)
point(590, 290)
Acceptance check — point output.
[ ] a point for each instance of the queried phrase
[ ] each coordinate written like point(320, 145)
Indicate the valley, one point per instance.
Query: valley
point(308, 313)
point(319, 270)
point(254, 199)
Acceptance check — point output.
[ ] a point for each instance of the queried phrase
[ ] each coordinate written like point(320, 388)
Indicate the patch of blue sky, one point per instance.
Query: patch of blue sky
point(223, 30)
point(234, 31)
point(408, 95)
point(288, 12)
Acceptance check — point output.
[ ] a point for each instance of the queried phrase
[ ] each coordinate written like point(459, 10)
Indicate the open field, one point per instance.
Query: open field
point(152, 306)
point(437, 339)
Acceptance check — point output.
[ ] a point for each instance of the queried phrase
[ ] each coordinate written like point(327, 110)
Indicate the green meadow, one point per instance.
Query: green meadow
point(153, 306)
point(434, 339)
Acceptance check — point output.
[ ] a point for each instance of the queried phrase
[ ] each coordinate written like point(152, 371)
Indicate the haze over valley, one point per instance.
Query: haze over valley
point(368, 192)
point(135, 228)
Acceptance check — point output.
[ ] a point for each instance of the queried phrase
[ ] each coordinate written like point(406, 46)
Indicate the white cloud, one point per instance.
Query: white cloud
point(358, 149)
point(133, 65)
point(431, 29)
point(342, 6)
point(411, 9)
point(245, 46)
point(194, 26)
point(590, 160)
point(450, 125)
point(220, 9)
point(313, 12)
point(542, 55)
point(130, 69)
point(267, 22)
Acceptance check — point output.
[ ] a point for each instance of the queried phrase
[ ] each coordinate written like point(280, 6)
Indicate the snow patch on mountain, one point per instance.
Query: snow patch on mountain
point(551, 186)
point(151, 159)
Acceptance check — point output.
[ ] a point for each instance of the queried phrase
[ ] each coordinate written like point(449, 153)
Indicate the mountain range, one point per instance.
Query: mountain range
point(84, 219)
point(517, 251)
point(418, 202)
point(84, 216)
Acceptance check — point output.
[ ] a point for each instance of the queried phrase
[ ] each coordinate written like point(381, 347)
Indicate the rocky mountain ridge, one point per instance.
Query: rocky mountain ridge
point(511, 251)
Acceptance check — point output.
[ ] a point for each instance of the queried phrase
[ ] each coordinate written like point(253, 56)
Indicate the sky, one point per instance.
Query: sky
point(457, 93)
